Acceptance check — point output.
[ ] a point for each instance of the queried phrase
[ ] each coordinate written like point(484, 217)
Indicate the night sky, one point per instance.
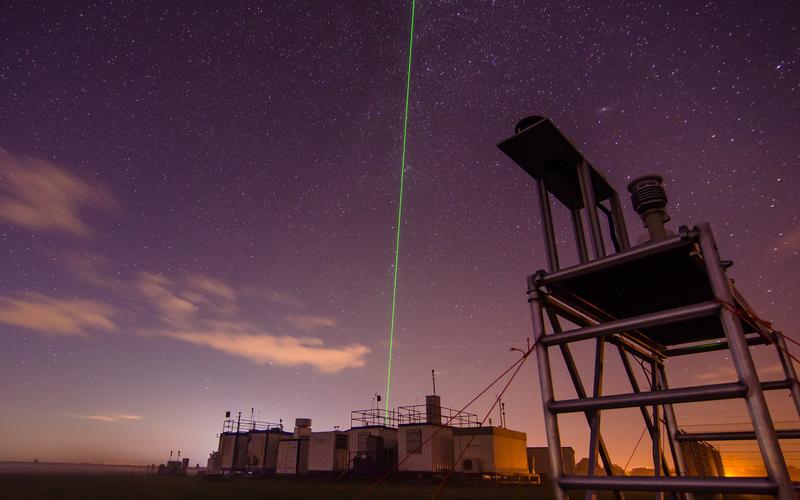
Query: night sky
point(197, 204)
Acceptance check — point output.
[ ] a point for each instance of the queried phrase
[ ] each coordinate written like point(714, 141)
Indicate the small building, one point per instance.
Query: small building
point(247, 445)
point(233, 451)
point(292, 456)
point(372, 441)
point(174, 467)
point(539, 460)
point(702, 459)
point(425, 437)
point(327, 451)
point(214, 463)
point(262, 450)
point(491, 450)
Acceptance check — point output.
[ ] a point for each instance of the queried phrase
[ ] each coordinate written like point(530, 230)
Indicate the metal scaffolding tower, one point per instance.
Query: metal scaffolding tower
point(664, 298)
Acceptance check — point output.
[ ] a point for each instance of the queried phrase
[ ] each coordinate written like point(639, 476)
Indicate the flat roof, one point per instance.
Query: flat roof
point(490, 430)
point(544, 153)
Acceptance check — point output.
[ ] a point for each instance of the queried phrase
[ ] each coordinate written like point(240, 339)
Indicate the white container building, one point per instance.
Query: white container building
point(425, 439)
point(293, 452)
point(233, 451)
point(372, 441)
point(262, 450)
point(328, 451)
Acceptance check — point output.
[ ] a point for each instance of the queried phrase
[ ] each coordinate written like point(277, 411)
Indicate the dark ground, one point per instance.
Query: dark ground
point(72, 487)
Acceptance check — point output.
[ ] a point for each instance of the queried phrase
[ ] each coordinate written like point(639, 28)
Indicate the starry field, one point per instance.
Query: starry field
point(198, 203)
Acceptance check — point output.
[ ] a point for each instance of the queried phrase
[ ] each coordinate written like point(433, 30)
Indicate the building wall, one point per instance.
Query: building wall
point(323, 455)
point(480, 453)
point(256, 451)
point(702, 459)
point(233, 450)
point(436, 453)
point(357, 443)
point(497, 450)
point(292, 456)
point(510, 456)
point(539, 460)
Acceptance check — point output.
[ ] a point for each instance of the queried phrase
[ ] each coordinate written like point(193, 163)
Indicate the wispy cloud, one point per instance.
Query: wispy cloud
point(309, 323)
point(157, 289)
point(89, 268)
point(109, 417)
point(211, 287)
point(200, 310)
point(48, 315)
point(264, 348)
point(43, 196)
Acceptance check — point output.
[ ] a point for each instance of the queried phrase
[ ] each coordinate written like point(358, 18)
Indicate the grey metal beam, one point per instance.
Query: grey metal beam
point(668, 316)
point(648, 422)
point(774, 461)
point(546, 386)
point(619, 223)
point(634, 253)
point(580, 390)
point(788, 369)
point(681, 395)
point(580, 237)
point(590, 204)
point(775, 385)
point(734, 435)
point(756, 485)
point(584, 319)
point(713, 346)
point(547, 226)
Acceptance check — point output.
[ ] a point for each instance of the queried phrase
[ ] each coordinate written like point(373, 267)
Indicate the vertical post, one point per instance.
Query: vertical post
point(547, 226)
point(745, 369)
point(788, 368)
point(546, 384)
point(590, 203)
point(594, 426)
point(656, 434)
point(580, 238)
point(681, 468)
point(619, 222)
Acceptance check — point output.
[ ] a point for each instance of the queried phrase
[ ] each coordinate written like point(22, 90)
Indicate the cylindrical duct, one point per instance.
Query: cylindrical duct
point(650, 201)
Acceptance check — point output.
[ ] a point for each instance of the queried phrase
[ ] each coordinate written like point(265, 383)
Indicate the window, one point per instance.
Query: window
point(341, 441)
point(414, 441)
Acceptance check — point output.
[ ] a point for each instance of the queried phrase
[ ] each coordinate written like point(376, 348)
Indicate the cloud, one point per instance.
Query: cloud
point(308, 323)
point(201, 310)
point(210, 286)
point(42, 196)
point(92, 269)
point(175, 310)
point(53, 316)
point(110, 417)
point(281, 350)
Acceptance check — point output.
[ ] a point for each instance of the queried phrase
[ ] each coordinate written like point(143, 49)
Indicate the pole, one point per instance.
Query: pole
point(745, 369)
point(546, 384)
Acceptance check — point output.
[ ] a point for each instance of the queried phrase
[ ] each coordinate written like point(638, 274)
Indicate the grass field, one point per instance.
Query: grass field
point(139, 487)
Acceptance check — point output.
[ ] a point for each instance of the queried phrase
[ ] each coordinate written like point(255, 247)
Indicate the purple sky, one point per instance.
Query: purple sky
point(197, 204)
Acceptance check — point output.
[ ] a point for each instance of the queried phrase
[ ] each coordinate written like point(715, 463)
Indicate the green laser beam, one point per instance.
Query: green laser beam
point(400, 209)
